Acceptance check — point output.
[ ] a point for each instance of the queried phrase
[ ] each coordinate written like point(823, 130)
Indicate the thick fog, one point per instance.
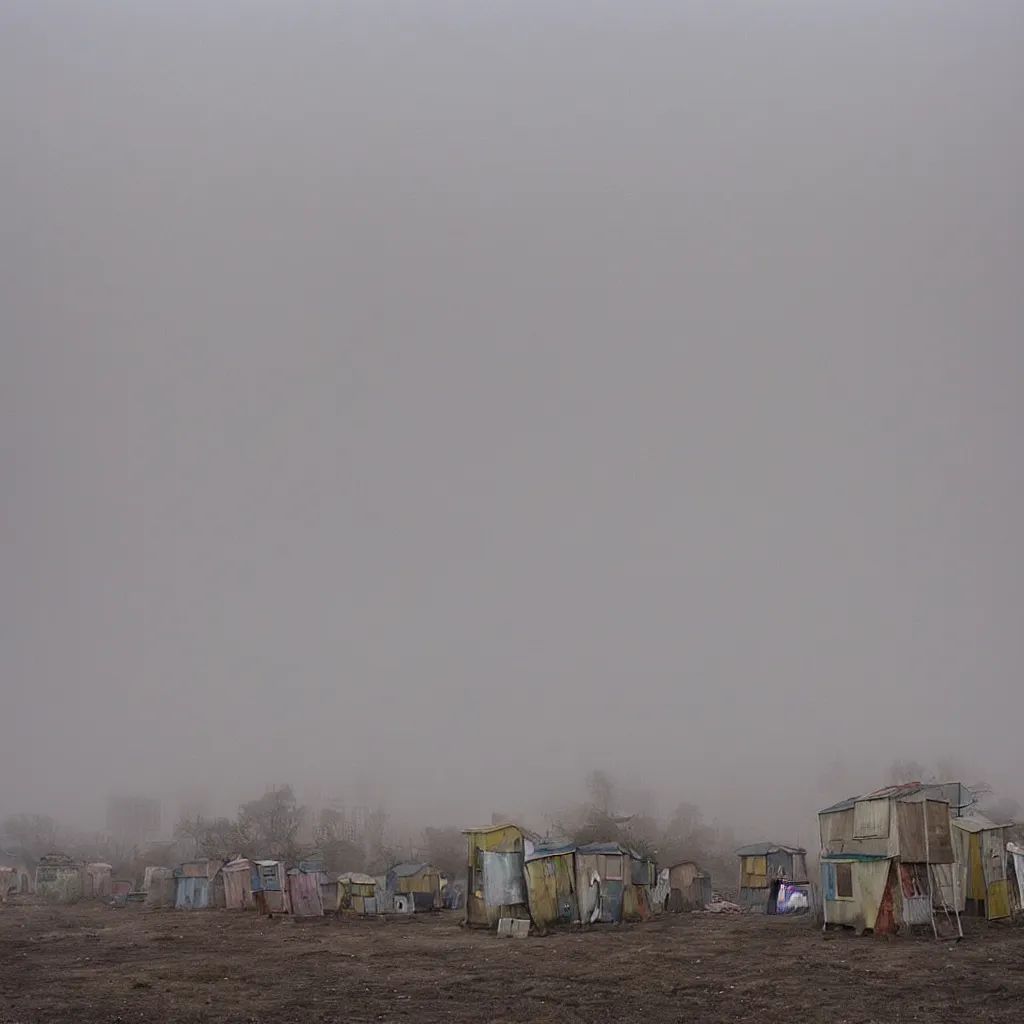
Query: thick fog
point(429, 403)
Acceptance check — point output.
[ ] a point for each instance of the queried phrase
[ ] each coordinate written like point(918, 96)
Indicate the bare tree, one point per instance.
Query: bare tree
point(273, 822)
point(445, 848)
point(601, 791)
point(213, 837)
point(336, 844)
point(380, 852)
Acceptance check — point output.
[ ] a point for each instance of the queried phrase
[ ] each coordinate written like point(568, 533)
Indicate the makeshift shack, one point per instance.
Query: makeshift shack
point(495, 883)
point(159, 886)
point(979, 846)
point(237, 875)
point(193, 884)
point(689, 888)
point(887, 859)
point(421, 881)
point(603, 870)
point(766, 869)
point(304, 893)
point(59, 878)
point(97, 881)
point(551, 882)
point(269, 887)
point(360, 893)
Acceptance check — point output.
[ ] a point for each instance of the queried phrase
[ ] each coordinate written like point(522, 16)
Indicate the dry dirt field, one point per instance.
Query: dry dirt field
point(91, 963)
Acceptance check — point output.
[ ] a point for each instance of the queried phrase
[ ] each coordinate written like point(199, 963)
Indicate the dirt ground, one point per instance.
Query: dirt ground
point(94, 963)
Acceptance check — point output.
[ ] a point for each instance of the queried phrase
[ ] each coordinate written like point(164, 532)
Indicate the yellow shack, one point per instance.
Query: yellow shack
point(980, 849)
point(496, 885)
point(420, 881)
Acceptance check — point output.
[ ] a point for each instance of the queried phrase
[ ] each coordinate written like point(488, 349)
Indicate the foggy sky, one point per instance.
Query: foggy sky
point(439, 400)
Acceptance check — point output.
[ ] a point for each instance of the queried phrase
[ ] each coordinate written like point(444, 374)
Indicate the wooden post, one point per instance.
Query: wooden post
point(928, 866)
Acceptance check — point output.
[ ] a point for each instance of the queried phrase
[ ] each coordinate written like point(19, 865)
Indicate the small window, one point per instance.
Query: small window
point(844, 881)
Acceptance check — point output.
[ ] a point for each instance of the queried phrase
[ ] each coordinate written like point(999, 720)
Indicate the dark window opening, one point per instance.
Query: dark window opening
point(844, 881)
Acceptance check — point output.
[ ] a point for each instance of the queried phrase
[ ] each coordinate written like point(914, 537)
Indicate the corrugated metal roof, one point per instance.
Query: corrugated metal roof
point(899, 791)
point(763, 849)
point(843, 805)
point(550, 849)
point(605, 848)
point(975, 823)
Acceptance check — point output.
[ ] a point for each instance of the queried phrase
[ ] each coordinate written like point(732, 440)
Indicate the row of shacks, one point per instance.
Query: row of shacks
point(909, 855)
point(61, 878)
point(305, 890)
point(268, 886)
point(512, 874)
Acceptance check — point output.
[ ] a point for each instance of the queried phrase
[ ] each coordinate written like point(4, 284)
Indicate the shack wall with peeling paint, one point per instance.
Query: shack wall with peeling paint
point(888, 859)
point(238, 885)
point(551, 889)
point(61, 883)
point(304, 893)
